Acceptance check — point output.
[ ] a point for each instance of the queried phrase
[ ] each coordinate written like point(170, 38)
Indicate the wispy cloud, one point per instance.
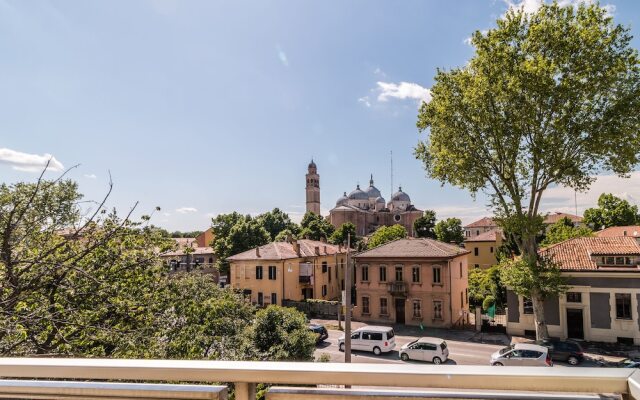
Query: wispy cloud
point(186, 210)
point(379, 72)
point(29, 162)
point(365, 100)
point(402, 90)
point(531, 6)
point(90, 176)
point(282, 56)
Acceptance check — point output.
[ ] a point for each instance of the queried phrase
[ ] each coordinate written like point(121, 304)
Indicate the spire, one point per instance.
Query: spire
point(371, 180)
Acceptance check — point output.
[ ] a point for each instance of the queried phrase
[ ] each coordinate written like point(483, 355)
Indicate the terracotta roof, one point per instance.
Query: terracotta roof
point(489, 236)
point(631, 230)
point(575, 254)
point(414, 247)
point(196, 251)
point(486, 221)
point(554, 217)
point(184, 242)
point(285, 250)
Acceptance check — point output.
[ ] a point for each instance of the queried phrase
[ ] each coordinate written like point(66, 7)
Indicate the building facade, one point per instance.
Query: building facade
point(475, 228)
point(189, 255)
point(602, 302)
point(483, 248)
point(414, 282)
point(313, 189)
point(293, 270)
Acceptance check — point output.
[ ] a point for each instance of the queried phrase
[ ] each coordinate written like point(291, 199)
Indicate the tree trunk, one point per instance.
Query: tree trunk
point(530, 255)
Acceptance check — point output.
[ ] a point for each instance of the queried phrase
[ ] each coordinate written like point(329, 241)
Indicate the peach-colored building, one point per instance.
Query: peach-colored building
point(482, 225)
point(412, 281)
point(295, 270)
point(483, 249)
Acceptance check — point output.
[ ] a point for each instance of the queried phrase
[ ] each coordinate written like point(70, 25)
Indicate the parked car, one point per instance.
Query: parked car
point(563, 350)
point(320, 331)
point(522, 354)
point(425, 349)
point(627, 363)
point(377, 339)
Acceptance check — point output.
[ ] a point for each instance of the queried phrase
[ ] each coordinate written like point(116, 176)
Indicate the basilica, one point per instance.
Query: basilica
point(366, 209)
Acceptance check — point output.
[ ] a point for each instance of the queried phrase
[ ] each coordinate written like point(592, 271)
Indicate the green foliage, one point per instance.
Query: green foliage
point(564, 230)
point(611, 211)
point(284, 235)
point(449, 230)
point(315, 227)
point(385, 234)
point(549, 98)
point(488, 302)
point(485, 283)
point(280, 334)
point(324, 358)
point(340, 235)
point(178, 234)
point(276, 222)
point(234, 233)
point(321, 301)
point(544, 279)
point(424, 226)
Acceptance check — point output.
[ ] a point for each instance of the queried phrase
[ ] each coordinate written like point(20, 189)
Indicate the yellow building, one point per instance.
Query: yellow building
point(483, 248)
point(295, 270)
point(414, 282)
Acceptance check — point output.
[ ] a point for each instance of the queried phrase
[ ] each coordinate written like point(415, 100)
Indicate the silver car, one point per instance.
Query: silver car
point(522, 355)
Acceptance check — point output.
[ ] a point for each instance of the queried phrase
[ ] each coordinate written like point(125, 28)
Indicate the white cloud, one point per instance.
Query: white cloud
point(186, 210)
point(90, 176)
point(402, 90)
point(166, 214)
point(29, 162)
point(365, 100)
point(282, 56)
point(531, 6)
point(379, 72)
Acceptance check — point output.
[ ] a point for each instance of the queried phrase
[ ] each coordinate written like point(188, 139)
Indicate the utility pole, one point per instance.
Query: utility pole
point(347, 311)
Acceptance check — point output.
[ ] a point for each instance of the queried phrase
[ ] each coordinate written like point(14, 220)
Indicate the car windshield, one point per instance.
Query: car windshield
point(505, 350)
point(390, 334)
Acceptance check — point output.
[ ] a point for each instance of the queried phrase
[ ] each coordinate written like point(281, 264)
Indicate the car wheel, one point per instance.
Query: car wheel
point(377, 351)
point(498, 364)
point(437, 360)
point(404, 357)
point(573, 360)
point(341, 347)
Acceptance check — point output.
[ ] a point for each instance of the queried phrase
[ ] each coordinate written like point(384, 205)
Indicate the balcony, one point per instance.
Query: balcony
point(305, 279)
point(398, 288)
point(31, 379)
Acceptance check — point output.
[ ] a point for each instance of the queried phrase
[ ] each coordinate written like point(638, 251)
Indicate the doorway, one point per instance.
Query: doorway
point(575, 323)
point(399, 303)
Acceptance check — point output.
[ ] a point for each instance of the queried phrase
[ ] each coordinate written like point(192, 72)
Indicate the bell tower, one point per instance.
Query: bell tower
point(313, 189)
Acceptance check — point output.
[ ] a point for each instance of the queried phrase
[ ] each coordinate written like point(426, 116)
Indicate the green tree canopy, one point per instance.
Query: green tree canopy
point(563, 230)
point(340, 235)
point(611, 211)
point(548, 98)
point(425, 225)
point(276, 221)
point(449, 231)
point(484, 283)
point(386, 234)
point(315, 227)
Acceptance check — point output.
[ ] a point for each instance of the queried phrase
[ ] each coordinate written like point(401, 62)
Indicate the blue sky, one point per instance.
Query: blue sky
point(204, 107)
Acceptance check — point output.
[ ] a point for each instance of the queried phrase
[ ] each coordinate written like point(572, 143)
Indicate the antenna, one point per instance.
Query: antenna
point(391, 192)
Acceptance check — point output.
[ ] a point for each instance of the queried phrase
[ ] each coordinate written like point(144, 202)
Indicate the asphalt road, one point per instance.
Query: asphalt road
point(461, 353)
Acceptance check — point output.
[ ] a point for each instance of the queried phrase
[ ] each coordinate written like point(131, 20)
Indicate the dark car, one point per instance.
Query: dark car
point(627, 363)
point(320, 331)
point(563, 350)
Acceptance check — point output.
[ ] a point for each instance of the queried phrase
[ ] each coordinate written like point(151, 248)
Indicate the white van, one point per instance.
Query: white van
point(425, 349)
point(377, 339)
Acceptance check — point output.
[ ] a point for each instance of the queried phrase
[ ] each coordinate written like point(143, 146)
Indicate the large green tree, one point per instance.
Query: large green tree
point(315, 227)
point(449, 231)
point(548, 98)
point(564, 230)
point(425, 225)
point(341, 234)
point(611, 211)
point(277, 221)
point(386, 234)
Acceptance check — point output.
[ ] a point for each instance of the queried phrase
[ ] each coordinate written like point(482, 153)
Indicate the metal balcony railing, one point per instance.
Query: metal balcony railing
point(393, 380)
point(398, 288)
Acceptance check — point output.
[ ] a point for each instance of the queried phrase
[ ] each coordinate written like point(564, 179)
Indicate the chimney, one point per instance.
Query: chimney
point(317, 250)
point(258, 252)
point(339, 247)
point(289, 238)
point(325, 249)
point(323, 239)
point(296, 247)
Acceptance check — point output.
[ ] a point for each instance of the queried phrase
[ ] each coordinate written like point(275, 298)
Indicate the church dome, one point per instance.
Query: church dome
point(380, 200)
point(342, 200)
point(400, 196)
point(372, 191)
point(312, 164)
point(358, 194)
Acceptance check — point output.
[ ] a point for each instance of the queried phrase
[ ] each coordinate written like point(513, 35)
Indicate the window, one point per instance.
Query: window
point(574, 297)
point(437, 309)
point(491, 249)
point(460, 270)
point(272, 272)
point(466, 295)
point(415, 274)
point(365, 273)
point(383, 273)
point(341, 284)
point(461, 299)
point(329, 274)
point(337, 269)
point(610, 260)
point(477, 233)
point(476, 266)
point(259, 272)
point(476, 251)
point(383, 306)
point(274, 298)
point(324, 267)
point(436, 275)
point(324, 290)
point(399, 277)
point(527, 305)
point(365, 305)
point(623, 306)
point(260, 299)
point(417, 309)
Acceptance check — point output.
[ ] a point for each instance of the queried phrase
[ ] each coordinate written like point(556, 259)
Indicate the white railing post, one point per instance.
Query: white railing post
point(245, 391)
